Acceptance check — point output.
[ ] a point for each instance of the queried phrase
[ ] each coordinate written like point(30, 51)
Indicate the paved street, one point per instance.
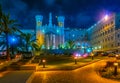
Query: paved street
point(14, 76)
point(85, 74)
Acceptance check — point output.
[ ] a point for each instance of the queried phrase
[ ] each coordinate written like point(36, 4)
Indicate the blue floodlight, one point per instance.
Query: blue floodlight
point(43, 31)
point(89, 50)
point(12, 40)
point(73, 35)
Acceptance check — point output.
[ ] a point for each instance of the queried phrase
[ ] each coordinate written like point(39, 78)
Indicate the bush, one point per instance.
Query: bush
point(109, 64)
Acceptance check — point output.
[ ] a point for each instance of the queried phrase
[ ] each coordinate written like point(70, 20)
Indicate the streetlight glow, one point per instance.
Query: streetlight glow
point(106, 17)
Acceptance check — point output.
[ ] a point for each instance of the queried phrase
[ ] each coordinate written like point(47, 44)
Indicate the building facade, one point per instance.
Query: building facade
point(104, 35)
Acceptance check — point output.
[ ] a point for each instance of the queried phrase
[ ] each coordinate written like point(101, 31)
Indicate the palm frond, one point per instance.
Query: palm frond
point(12, 21)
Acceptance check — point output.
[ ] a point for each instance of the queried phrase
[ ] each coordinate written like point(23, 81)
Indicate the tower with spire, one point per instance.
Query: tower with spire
point(50, 19)
point(50, 35)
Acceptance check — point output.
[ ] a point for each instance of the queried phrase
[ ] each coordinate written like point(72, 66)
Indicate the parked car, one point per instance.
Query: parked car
point(111, 55)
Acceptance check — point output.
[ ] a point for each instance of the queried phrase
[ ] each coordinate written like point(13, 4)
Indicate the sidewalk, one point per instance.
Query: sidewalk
point(7, 63)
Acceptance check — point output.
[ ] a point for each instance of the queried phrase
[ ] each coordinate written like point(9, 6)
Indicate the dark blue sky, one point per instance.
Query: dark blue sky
point(78, 13)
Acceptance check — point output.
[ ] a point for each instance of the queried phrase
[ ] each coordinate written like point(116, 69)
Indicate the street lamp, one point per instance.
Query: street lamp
point(106, 17)
point(43, 61)
point(75, 59)
point(116, 56)
point(92, 55)
point(115, 68)
point(12, 41)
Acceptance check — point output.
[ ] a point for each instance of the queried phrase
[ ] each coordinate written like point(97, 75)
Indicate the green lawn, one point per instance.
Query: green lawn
point(66, 63)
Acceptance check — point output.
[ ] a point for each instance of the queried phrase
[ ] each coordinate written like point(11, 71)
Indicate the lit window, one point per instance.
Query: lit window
point(118, 35)
point(60, 24)
point(58, 31)
point(43, 30)
point(39, 23)
point(111, 22)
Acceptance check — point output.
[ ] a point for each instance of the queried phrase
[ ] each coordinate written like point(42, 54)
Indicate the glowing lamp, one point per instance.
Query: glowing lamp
point(95, 47)
point(43, 63)
point(106, 17)
point(115, 64)
point(73, 35)
point(92, 54)
point(116, 55)
point(99, 47)
point(83, 47)
point(88, 50)
point(13, 39)
point(43, 60)
point(115, 68)
point(85, 55)
point(79, 55)
point(43, 31)
point(58, 31)
point(75, 57)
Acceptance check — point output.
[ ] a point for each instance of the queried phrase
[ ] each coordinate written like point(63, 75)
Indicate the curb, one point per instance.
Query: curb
point(29, 80)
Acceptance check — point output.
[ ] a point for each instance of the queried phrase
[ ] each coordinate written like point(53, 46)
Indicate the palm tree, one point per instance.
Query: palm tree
point(71, 44)
point(28, 40)
point(36, 46)
point(7, 26)
point(0, 18)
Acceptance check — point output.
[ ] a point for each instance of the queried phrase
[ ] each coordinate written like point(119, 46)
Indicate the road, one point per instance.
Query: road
point(86, 74)
point(14, 76)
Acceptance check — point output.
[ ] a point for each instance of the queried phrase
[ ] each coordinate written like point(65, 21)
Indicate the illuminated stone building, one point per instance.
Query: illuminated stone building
point(105, 35)
point(50, 35)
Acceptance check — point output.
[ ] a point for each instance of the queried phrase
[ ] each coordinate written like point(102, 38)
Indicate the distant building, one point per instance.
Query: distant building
point(79, 36)
point(50, 35)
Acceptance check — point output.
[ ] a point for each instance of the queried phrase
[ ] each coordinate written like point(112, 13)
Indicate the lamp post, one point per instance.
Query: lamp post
point(92, 55)
point(12, 43)
point(43, 61)
point(75, 59)
point(115, 68)
point(116, 57)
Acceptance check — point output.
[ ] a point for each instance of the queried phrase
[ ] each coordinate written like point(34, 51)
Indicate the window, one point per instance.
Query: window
point(119, 20)
point(112, 45)
point(111, 29)
point(108, 31)
point(118, 44)
point(118, 35)
point(105, 32)
point(111, 22)
point(108, 39)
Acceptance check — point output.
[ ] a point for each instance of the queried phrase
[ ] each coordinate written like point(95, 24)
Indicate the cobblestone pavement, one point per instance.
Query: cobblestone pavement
point(14, 76)
point(86, 74)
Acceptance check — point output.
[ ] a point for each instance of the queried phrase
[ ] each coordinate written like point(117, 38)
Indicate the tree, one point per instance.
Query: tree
point(71, 44)
point(7, 27)
point(28, 40)
point(36, 46)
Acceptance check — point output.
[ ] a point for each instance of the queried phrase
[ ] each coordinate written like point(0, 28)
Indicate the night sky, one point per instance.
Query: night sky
point(78, 13)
